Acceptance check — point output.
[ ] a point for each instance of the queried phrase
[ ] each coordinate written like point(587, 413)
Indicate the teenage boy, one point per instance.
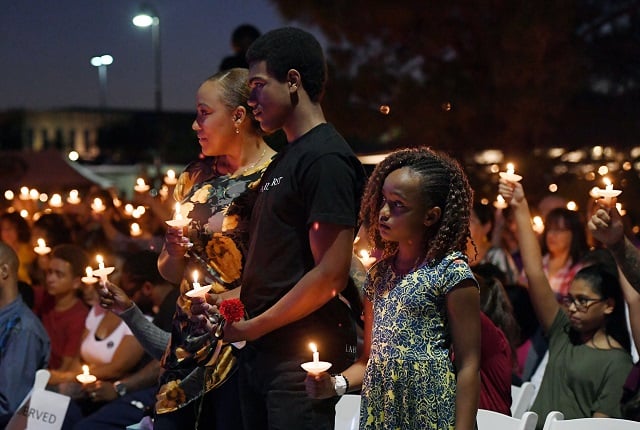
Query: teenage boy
point(301, 240)
point(64, 316)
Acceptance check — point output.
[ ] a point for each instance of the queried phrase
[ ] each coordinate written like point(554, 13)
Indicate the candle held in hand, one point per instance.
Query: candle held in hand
point(510, 174)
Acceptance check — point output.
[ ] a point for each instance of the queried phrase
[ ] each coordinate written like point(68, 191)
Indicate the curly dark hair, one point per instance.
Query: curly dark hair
point(444, 184)
point(289, 48)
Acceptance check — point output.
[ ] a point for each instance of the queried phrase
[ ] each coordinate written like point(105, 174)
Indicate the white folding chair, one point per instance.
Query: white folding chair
point(348, 412)
point(521, 398)
point(491, 420)
point(555, 421)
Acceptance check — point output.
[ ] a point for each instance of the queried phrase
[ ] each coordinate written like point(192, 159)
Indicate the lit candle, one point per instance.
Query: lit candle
point(170, 178)
point(500, 202)
point(97, 205)
point(141, 186)
point(42, 248)
point(315, 366)
point(538, 224)
point(198, 290)
point(24, 193)
point(135, 229)
point(102, 271)
point(73, 198)
point(608, 193)
point(510, 174)
point(89, 279)
point(178, 220)
point(316, 354)
point(56, 201)
point(366, 259)
point(128, 209)
point(85, 377)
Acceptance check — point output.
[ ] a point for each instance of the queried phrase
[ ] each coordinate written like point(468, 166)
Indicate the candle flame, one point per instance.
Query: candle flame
point(510, 168)
point(41, 243)
point(606, 181)
point(89, 272)
point(99, 259)
point(313, 347)
point(195, 276)
point(85, 369)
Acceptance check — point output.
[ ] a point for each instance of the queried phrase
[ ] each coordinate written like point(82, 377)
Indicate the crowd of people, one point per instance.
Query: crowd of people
point(464, 300)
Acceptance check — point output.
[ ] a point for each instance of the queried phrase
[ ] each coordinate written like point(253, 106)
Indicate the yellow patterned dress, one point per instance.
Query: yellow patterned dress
point(220, 209)
point(410, 380)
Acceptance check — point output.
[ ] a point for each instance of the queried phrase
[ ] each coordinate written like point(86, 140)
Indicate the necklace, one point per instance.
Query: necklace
point(244, 169)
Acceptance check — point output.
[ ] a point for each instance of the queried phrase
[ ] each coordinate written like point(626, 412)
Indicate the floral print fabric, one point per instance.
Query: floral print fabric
point(410, 380)
point(220, 209)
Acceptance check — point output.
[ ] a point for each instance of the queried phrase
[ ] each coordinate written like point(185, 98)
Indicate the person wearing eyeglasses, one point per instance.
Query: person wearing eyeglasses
point(589, 344)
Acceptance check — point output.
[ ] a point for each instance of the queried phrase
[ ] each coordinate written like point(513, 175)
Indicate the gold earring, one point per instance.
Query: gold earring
point(237, 130)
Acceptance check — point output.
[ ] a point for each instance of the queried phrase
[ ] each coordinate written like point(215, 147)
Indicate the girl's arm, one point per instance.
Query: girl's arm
point(463, 308)
point(632, 297)
point(542, 297)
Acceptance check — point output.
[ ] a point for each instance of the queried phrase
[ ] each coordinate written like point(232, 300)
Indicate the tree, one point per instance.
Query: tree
point(456, 75)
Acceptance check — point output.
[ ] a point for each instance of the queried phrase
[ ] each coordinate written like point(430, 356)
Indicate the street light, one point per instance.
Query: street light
point(147, 17)
point(101, 62)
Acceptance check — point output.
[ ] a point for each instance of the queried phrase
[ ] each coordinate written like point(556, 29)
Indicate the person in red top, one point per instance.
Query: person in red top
point(64, 316)
point(499, 334)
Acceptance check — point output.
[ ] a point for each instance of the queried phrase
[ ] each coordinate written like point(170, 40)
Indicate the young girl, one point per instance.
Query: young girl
point(421, 300)
point(588, 341)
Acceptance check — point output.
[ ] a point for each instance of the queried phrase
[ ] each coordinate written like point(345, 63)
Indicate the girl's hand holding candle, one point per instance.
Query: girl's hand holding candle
point(316, 366)
point(510, 174)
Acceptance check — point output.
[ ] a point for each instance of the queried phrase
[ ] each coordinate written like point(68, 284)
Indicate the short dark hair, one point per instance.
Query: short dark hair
point(74, 255)
point(289, 48)
point(243, 36)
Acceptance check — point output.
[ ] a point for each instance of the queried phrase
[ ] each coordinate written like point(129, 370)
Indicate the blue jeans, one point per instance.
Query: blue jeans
point(121, 412)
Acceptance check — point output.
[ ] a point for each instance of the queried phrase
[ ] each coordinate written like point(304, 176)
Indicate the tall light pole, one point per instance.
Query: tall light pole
point(147, 17)
point(101, 62)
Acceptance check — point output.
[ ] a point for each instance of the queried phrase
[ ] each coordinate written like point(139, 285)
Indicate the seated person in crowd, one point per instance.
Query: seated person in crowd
point(64, 315)
point(499, 336)
point(588, 340)
point(131, 396)
point(24, 343)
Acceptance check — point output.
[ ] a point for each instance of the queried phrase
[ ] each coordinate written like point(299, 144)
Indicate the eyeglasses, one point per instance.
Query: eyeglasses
point(582, 303)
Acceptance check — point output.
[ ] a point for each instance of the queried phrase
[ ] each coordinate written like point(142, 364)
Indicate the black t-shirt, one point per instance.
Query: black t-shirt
point(316, 178)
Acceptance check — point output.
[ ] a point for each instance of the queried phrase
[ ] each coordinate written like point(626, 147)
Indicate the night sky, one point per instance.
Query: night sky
point(46, 46)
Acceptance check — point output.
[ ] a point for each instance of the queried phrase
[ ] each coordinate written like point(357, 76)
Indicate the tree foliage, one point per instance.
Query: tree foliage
point(460, 74)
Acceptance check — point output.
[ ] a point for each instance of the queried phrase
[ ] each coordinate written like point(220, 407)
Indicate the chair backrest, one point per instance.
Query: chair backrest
point(491, 420)
point(348, 412)
point(521, 398)
point(555, 421)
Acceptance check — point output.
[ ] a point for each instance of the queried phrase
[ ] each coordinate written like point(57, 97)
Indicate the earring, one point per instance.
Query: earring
point(237, 130)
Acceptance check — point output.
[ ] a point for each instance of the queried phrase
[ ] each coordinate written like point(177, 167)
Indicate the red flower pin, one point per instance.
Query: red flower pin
point(232, 310)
